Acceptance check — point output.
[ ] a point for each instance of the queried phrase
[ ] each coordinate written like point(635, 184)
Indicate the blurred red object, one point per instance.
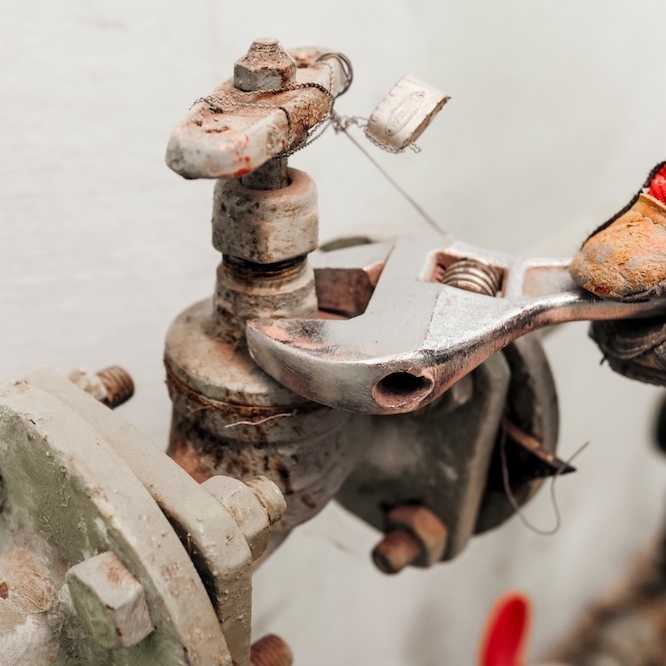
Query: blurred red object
point(507, 631)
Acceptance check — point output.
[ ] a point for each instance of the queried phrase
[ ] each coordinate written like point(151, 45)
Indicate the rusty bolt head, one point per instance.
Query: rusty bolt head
point(415, 535)
point(266, 66)
point(109, 601)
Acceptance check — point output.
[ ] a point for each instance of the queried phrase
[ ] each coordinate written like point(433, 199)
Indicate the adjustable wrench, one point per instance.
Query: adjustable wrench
point(413, 337)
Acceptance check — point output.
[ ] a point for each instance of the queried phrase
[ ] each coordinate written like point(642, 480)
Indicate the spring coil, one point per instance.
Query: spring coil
point(471, 275)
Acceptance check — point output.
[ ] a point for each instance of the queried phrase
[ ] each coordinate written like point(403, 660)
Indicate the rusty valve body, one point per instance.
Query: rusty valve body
point(229, 417)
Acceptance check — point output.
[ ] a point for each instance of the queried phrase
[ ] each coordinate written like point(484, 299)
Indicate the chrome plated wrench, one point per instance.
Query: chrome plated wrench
point(411, 337)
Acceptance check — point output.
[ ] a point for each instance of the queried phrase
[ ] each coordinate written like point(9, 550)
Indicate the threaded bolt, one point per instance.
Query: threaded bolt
point(415, 535)
point(395, 551)
point(271, 650)
point(471, 275)
point(112, 386)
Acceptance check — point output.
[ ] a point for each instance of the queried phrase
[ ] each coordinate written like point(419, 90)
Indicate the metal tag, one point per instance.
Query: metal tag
point(402, 116)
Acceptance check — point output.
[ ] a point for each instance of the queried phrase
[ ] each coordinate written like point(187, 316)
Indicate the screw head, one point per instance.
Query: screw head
point(266, 66)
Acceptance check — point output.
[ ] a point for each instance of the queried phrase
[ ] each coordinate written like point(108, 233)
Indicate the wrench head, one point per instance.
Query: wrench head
point(416, 337)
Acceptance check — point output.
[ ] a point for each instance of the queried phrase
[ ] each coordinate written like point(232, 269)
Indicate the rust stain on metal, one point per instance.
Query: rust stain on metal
point(4, 589)
point(116, 573)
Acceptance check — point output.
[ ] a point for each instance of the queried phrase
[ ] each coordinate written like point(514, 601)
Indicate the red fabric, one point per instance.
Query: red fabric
point(657, 187)
point(507, 630)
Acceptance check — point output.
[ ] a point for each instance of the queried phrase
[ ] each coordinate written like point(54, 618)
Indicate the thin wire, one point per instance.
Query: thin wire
point(342, 127)
point(260, 421)
point(514, 503)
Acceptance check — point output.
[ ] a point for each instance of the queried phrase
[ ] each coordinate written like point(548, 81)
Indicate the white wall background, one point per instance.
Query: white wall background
point(558, 110)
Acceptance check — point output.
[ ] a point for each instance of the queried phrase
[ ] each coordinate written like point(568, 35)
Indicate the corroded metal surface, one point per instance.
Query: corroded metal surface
point(309, 471)
point(240, 297)
point(112, 386)
point(439, 458)
point(271, 650)
point(266, 226)
point(231, 418)
point(110, 601)
point(254, 506)
point(213, 539)
point(231, 133)
point(266, 66)
point(448, 459)
point(415, 535)
point(62, 475)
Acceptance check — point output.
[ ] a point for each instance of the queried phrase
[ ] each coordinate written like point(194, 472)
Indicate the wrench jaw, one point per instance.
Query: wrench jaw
point(301, 356)
point(417, 337)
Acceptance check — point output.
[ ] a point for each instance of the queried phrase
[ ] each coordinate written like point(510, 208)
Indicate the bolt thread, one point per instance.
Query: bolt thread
point(118, 384)
point(269, 496)
point(271, 650)
point(248, 270)
point(472, 275)
point(395, 551)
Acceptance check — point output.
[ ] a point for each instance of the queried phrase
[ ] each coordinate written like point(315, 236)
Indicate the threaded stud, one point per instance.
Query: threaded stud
point(112, 386)
point(271, 650)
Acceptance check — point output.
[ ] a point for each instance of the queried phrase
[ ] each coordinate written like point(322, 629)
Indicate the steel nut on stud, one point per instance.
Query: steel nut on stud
point(266, 66)
point(109, 601)
point(255, 506)
point(415, 535)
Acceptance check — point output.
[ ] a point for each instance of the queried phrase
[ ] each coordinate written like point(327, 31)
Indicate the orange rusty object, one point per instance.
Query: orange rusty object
point(397, 550)
point(271, 650)
point(415, 535)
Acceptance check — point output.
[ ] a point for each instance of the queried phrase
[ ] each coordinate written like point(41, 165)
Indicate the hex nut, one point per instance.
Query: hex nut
point(428, 529)
point(109, 601)
point(414, 535)
point(266, 226)
point(254, 507)
point(266, 66)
